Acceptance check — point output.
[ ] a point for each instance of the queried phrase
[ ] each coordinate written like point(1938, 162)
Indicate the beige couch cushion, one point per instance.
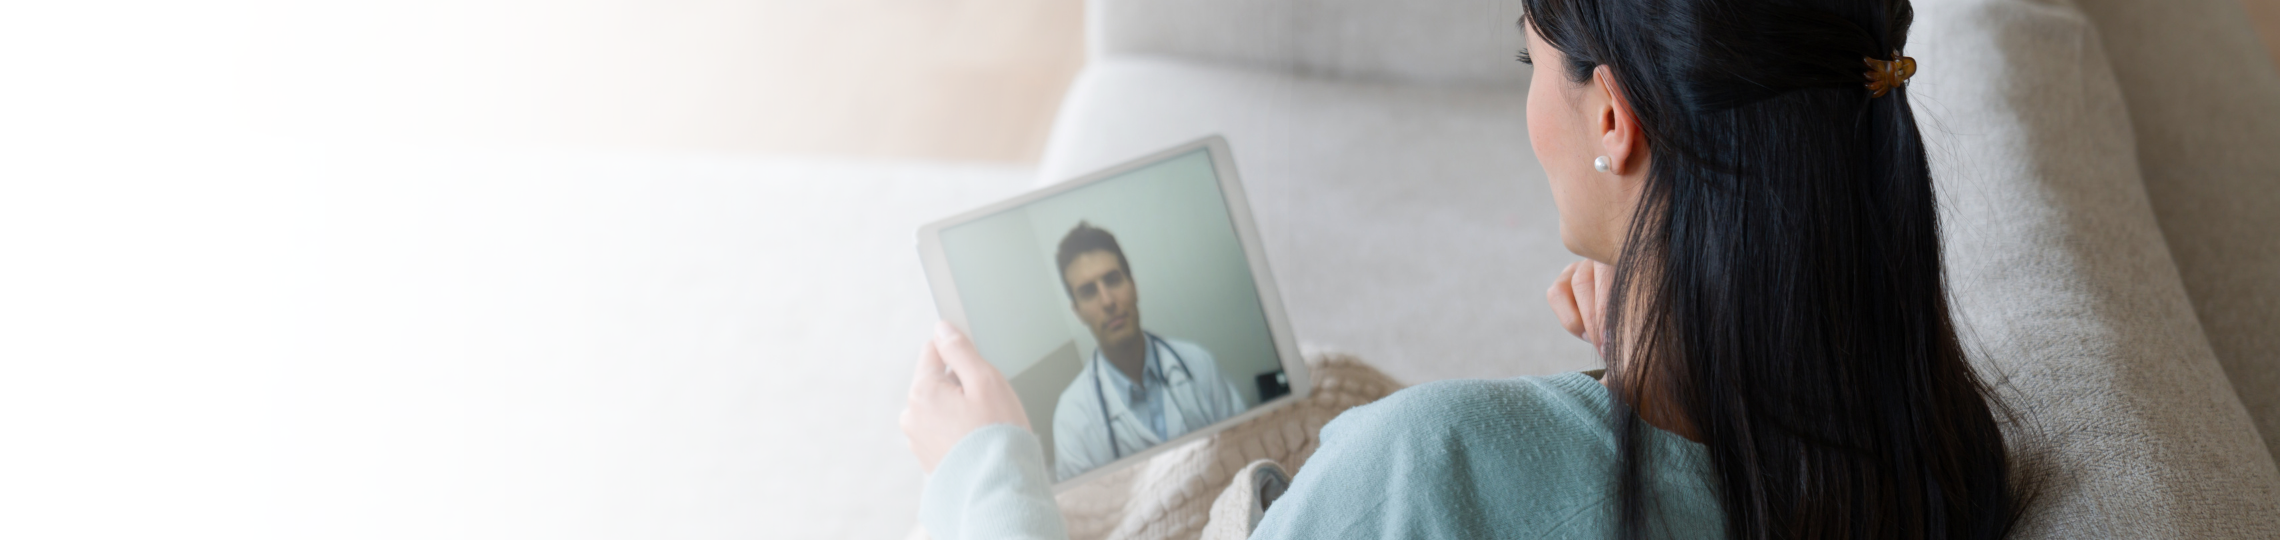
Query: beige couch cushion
point(1469, 42)
point(2069, 295)
point(1409, 225)
point(2205, 101)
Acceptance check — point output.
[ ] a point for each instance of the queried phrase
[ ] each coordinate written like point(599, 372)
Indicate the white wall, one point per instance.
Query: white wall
point(1013, 305)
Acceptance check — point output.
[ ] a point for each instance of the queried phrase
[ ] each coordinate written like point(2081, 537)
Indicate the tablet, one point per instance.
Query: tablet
point(1131, 308)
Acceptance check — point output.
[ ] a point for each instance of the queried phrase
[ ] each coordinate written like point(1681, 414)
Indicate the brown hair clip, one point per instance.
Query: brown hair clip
point(1885, 75)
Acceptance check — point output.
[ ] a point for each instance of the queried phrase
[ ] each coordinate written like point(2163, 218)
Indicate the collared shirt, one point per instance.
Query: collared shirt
point(1145, 398)
point(1100, 416)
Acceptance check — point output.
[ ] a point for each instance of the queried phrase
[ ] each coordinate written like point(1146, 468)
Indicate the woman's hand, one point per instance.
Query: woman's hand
point(954, 393)
point(1579, 297)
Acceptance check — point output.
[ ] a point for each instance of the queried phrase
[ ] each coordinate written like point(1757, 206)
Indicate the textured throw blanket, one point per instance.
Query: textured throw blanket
point(1171, 494)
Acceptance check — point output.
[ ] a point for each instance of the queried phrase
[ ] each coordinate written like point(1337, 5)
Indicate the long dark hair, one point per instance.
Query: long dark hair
point(1781, 285)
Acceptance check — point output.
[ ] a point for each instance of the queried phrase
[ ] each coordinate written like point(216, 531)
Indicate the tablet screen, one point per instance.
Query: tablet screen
point(1123, 311)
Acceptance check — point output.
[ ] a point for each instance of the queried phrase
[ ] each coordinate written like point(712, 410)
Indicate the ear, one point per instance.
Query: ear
point(1619, 136)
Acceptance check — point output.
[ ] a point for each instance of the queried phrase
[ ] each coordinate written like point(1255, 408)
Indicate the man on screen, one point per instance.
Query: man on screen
point(1138, 389)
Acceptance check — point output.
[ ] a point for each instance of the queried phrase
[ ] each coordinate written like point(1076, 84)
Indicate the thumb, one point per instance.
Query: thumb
point(959, 353)
point(929, 371)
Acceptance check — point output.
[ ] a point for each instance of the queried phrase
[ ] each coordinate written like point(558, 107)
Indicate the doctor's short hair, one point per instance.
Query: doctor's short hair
point(1083, 239)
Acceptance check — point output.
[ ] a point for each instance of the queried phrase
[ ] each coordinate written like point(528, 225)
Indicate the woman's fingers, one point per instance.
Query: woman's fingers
point(1562, 297)
point(931, 408)
point(1587, 299)
point(953, 393)
point(984, 388)
point(966, 363)
point(929, 375)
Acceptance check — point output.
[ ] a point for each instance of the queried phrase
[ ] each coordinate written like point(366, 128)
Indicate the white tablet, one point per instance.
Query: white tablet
point(1131, 308)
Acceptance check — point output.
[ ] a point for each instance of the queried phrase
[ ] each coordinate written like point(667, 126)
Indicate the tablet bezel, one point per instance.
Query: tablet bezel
point(952, 309)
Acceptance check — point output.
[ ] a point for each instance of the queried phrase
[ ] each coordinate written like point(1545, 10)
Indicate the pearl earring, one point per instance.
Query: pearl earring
point(1601, 164)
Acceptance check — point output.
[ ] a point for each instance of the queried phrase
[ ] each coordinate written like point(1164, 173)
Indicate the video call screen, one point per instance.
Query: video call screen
point(1123, 311)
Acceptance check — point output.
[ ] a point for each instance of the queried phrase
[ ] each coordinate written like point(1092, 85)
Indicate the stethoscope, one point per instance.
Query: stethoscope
point(1110, 423)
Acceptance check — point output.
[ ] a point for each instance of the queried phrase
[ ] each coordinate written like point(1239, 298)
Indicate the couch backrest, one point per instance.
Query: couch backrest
point(2066, 288)
point(1459, 42)
point(2061, 274)
point(2204, 98)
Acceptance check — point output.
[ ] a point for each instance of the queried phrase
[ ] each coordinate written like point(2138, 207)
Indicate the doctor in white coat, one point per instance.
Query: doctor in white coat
point(1138, 389)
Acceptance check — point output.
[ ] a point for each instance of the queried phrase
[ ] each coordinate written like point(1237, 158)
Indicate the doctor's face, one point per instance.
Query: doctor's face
point(1104, 297)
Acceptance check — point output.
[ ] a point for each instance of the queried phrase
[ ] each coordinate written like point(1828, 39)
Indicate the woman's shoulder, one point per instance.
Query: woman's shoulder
point(1562, 407)
point(1457, 459)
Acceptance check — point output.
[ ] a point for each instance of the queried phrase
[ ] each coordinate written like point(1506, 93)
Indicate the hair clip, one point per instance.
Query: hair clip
point(1885, 75)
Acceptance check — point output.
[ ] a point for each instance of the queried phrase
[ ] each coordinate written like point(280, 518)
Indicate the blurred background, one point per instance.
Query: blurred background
point(488, 268)
point(492, 268)
point(946, 80)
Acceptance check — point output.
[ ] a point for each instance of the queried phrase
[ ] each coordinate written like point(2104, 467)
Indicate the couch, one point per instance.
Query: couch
point(2107, 170)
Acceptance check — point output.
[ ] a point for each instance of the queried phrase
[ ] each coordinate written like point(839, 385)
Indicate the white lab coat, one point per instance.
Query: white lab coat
point(1195, 397)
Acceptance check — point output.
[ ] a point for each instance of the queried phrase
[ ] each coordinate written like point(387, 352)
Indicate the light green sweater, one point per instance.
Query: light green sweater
point(1530, 457)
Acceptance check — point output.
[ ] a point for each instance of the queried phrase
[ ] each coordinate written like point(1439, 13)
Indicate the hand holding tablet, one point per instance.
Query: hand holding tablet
point(954, 392)
point(1128, 310)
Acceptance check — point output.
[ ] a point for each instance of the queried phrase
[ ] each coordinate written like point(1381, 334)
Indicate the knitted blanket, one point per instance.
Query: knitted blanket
point(1171, 494)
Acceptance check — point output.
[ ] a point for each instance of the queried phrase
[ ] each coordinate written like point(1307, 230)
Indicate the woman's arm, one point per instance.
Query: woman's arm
point(993, 484)
point(968, 429)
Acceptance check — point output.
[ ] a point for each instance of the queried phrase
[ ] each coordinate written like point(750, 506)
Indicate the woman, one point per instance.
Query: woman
point(1748, 185)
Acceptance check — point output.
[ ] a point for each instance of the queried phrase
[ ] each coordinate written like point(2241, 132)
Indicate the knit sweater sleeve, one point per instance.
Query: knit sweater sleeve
point(992, 484)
